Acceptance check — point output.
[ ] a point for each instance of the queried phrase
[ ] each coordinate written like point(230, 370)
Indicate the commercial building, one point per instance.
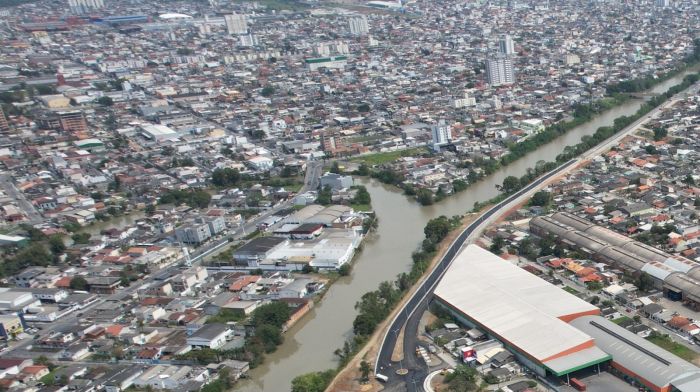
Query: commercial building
point(326, 62)
point(499, 71)
point(358, 25)
point(253, 252)
point(550, 331)
point(515, 307)
point(677, 276)
point(209, 336)
point(11, 325)
point(336, 181)
point(158, 132)
point(236, 24)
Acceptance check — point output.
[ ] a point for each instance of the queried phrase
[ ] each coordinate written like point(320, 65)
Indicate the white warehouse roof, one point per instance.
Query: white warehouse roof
point(515, 305)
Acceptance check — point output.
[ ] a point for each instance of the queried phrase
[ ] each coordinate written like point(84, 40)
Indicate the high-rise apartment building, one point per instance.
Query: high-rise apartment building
point(236, 24)
point(248, 40)
point(358, 25)
point(506, 46)
point(499, 71)
point(442, 134)
point(4, 126)
point(72, 121)
point(80, 7)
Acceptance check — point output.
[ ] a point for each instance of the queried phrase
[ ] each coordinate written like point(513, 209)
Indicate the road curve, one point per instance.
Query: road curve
point(419, 298)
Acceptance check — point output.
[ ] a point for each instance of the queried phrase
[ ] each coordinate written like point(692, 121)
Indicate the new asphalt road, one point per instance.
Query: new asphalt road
point(417, 304)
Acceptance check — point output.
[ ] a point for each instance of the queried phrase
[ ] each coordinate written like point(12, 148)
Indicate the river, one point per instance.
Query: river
point(309, 345)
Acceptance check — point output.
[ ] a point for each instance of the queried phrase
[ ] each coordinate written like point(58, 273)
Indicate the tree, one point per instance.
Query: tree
point(365, 369)
point(81, 238)
point(463, 379)
point(105, 101)
point(497, 245)
point(325, 196)
point(269, 335)
point(363, 108)
point(362, 170)
point(150, 209)
point(510, 184)
point(344, 269)
point(267, 91)
point(78, 283)
point(274, 313)
point(335, 168)
point(459, 185)
point(199, 199)
point(645, 282)
point(660, 133)
point(425, 197)
point(362, 196)
point(56, 244)
point(541, 198)
point(437, 229)
point(313, 382)
point(225, 177)
point(689, 180)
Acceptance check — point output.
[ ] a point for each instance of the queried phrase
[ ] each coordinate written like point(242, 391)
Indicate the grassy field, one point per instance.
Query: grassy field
point(361, 207)
point(571, 290)
point(390, 156)
point(677, 349)
point(621, 320)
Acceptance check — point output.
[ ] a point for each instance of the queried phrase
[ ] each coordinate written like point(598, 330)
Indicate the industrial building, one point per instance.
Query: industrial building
point(515, 307)
point(639, 359)
point(677, 276)
point(549, 330)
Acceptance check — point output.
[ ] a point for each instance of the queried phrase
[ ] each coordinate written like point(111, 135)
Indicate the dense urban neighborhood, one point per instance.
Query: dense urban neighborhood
point(188, 186)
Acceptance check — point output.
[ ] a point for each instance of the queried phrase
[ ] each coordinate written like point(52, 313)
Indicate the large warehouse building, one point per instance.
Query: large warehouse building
point(540, 323)
point(678, 276)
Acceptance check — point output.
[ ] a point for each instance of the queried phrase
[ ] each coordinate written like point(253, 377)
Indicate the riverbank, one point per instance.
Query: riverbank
point(483, 168)
point(601, 136)
point(309, 345)
point(349, 376)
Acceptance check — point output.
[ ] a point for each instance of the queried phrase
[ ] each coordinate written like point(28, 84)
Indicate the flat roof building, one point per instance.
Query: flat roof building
point(637, 357)
point(515, 307)
point(549, 330)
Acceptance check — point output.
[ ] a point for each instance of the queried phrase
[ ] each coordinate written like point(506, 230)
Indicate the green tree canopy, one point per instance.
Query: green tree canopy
point(78, 283)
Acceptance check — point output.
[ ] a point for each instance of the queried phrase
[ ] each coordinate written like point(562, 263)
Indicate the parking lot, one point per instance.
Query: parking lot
point(603, 382)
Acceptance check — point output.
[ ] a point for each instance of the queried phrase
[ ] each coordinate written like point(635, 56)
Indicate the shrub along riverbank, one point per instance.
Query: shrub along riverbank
point(376, 305)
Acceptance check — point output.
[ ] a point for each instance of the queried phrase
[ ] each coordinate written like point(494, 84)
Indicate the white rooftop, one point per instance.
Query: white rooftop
point(512, 303)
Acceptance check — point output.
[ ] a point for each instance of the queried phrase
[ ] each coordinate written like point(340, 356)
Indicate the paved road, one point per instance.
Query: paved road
point(27, 207)
point(410, 315)
point(418, 303)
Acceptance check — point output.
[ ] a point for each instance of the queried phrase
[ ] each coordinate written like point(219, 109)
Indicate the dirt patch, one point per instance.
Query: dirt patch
point(397, 355)
point(348, 378)
point(438, 383)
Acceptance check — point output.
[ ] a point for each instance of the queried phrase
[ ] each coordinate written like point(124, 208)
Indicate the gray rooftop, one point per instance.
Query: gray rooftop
point(638, 354)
